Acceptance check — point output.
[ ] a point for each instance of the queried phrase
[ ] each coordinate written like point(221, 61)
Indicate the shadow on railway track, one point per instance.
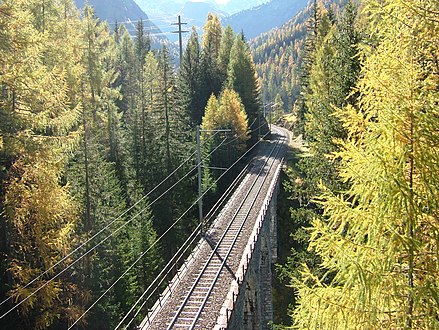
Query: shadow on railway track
point(212, 243)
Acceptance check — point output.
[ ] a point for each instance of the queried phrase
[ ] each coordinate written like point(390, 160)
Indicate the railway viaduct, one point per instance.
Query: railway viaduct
point(249, 301)
point(225, 283)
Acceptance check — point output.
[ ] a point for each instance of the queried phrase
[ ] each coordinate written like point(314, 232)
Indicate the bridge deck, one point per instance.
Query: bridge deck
point(196, 294)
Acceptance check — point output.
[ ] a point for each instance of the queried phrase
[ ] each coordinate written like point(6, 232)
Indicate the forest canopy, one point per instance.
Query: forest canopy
point(95, 130)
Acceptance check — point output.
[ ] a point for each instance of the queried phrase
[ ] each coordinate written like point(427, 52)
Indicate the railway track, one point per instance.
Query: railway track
point(189, 308)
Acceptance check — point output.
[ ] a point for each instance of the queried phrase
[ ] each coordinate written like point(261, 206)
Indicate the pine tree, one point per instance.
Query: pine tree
point(190, 78)
point(243, 79)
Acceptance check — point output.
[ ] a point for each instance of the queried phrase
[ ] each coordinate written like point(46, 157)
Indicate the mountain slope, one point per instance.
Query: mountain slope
point(195, 13)
point(122, 11)
point(278, 56)
point(235, 6)
point(264, 17)
point(160, 8)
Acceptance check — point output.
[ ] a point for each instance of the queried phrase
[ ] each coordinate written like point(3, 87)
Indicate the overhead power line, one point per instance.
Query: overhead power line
point(180, 32)
point(178, 220)
point(95, 246)
point(97, 234)
point(158, 239)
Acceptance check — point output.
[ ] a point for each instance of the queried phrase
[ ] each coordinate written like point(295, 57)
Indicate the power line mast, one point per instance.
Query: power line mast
point(200, 190)
point(180, 32)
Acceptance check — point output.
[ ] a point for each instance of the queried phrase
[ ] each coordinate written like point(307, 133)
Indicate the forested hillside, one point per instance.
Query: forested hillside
point(278, 55)
point(363, 197)
point(98, 160)
point(264, 17)
point(97, 157)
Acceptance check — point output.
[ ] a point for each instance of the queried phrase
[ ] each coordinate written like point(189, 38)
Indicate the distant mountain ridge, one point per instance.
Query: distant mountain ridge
point(278, 56)
point(236, 6)
point(264, 17)
point(122, 11)
point(196, 12)
point(160, 8)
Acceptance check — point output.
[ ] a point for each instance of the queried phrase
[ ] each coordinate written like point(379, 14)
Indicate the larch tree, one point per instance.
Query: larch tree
point(211, 41)
point(379, 239)
point(212, 33)
point(96, 172)
point(39, 111)
point(332, 78)
point(226, 113)
point(227, 40)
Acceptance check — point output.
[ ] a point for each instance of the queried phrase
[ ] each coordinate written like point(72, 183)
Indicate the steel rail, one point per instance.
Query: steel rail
point(239, 231)
point(227, 231)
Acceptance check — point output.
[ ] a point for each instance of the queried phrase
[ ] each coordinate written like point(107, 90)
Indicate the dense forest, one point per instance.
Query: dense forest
point(279, 57)
point(97, 160)
point(362, 197)
point(98, 180)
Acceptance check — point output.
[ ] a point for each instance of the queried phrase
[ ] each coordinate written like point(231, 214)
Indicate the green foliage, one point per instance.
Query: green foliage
point(77, 142)
point(243, 79)
point(283, 57)
point(226, 45)
point(376, 238)
point(39, 112)
point(330, 80)
point(190, 78)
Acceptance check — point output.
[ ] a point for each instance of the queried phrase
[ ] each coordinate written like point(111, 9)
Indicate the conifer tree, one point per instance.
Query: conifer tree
point(172, 137)
point(277, 110)
point(226, 113)
point(211, 41)
point(212, 33)
point(307, 63)
point(226, 45)
point(243, 79)
point(377, 241)
point(190, 78)
point(39, 111)
point(331, 80)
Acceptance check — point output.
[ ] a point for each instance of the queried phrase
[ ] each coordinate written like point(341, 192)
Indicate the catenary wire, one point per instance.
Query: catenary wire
point(98, 233)
point(190, 207)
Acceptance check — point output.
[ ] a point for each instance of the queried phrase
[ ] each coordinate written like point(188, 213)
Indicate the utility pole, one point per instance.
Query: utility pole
point(271, 105)
point(259, 124)
point(200, 192)
point(180, 39)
